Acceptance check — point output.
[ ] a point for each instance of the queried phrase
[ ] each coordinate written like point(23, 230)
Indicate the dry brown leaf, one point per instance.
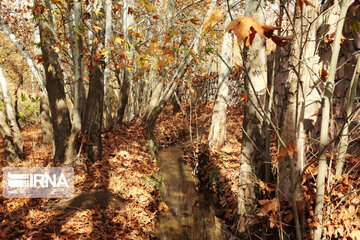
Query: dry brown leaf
point(268, 205)
point(306, 2)
point(281, 40)
point(329, 39)
point(245, 28)
point(288, 150)
point(213, 18)
point(323, 74)
point(269, 30)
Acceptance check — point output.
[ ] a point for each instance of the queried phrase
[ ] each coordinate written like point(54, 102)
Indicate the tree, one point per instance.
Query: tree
point(79, 97)
point(46, 127)
point(344, 140)
point(217, 132)
point(128, 23)
point(60, 117)
point(12, 139)
point(108, 34)
point(253, 142)
point(94, 106)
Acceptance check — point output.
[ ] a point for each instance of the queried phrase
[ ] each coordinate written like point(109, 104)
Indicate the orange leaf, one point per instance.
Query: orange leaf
point(163, 207)
point(96, 28)
point(213, 18)
point(329, 39)
point(343, 39)
point(244, 99)
point(269, 30)
point(281, 40)
point(245, 28)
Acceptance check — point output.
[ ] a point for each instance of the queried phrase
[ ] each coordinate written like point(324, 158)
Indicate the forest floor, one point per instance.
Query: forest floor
point(115, 197)
point(122, 191)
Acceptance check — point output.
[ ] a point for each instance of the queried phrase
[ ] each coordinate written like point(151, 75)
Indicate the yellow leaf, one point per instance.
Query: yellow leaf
point(119, 40)
point(213, 18)
point(50, 68)
point(78, 35)
point(104, 52)
point(100, 14)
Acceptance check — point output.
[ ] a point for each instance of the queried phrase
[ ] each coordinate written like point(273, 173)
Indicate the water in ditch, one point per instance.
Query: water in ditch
point(191, 214)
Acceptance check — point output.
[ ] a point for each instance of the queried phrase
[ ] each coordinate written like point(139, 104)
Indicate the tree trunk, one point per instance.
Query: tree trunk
point(124, 94)
point(297, 106)
point(344, 140)
point(253, 142)
point(108, 32)
point(128, 22)
point(320, 181)
point(60, 117)
point(217, 132)
point(10, 116)
point(92, 122)
point(79, 97)
point(46, 127)
point(94, 111)
point(11, 153)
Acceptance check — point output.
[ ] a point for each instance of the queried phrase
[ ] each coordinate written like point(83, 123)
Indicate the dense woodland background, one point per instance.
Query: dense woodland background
point(263, 95)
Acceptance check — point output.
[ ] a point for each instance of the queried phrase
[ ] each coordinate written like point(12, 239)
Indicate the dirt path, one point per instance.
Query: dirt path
point(190, 214)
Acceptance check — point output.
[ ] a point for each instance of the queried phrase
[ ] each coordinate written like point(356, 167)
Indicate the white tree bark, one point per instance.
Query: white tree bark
point(217, 132)
point(10, 115)
point(79, 102)
point(7, 140)
point(108, 34)
point(253, 141)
